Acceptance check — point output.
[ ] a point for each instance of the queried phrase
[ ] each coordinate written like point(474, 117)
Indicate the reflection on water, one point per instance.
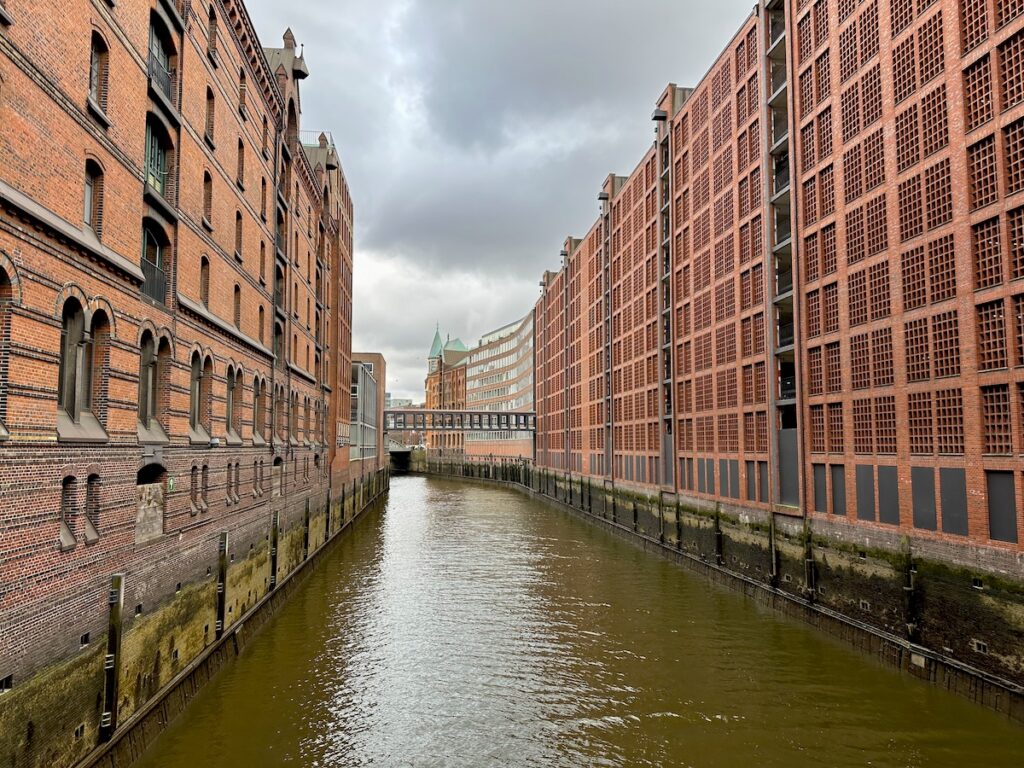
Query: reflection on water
point(468, 626)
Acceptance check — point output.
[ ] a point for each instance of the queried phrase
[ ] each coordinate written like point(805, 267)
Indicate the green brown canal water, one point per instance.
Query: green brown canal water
point(469, 626)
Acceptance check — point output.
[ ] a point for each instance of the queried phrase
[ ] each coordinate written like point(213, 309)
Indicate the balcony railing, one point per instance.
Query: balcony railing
point(161, 77)
point(155, 285)
point(787, 388)
point(776, 26)
point(786, 335)
point(785, 282)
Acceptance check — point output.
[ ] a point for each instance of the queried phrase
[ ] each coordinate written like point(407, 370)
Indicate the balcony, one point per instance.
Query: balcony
point(776, 26)
point(784, 282)
point(787, 388)
point(155, 284)
point(161, 78)
point(786, 335)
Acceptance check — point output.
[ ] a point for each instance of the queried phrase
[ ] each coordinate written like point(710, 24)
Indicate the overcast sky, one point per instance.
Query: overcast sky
point(475, 135)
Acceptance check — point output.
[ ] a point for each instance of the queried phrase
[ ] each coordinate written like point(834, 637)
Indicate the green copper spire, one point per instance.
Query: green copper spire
point(438, 345)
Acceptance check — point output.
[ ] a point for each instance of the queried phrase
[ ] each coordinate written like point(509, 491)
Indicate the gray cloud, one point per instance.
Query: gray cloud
point(475, 136)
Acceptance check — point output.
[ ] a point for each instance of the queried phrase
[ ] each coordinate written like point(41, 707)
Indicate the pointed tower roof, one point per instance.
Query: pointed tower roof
point(437, 346)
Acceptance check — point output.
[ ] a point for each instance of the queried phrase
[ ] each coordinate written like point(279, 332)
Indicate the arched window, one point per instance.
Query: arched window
point(91, 519)
point(293, 417)
point(237, 306)
point(68, 503)
point(194, 490)
point(158, 148)
point(240, 171)
point(259, 408)
point(280, 297)
point(92, 210)
point(231, 411)
point(149, 384)
point(154, 246)
point(238, 234)
point(204, 281)
point(263, 261)
point(208, 199)
point(243, 88)
point(211, 29)
point(263, 198)
point(279, 345)
point(161, 58)
point(293, 125)
point(262, 329)
point(204, 502)
point(98, 73)
point(211, 107)
point(199, 398)
point(73, 387)
point(266, 134)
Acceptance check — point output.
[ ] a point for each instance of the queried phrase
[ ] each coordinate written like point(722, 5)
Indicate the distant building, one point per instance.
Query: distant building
point(367, 452)
point(499, 377)
point(446, 389)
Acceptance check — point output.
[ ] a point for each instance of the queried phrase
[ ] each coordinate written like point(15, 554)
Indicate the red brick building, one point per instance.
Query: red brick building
point(787, 306)
point(445, 388)
point(175, 314)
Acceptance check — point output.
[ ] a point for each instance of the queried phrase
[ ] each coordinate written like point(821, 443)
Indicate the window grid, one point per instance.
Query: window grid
point(868, 23)
point(811, 258)
point(942, 265)
point(973, 23)
point(908, 139)
point(879, 289)
point(949, 421)
point(946, 344)
point(828, 247)
point(855, 235)
point(938, 191)
point(885, 424)
point(910, 210)
point(1015, 238)
point(934, 121)
point(997, 419)
point(833, 368)
point(919, 418)
point(904, 70)
point(915, 283)
point(877, 225)
point(917, 349)
point(988, 257)
point(1011, 58)
point(881, 357)
point(858, 298)
point(871, 95)
point(835, 428)
point(1013, 149)
point(825, 133)
point(874, 160)
point(931, 58)
point(978, 93)
point(981, 163)
point(814, 371)
point(992, 349)
point(863, 434)
point(830, 302)
point(1007, 10)
point(817, 429)
point(860, 362)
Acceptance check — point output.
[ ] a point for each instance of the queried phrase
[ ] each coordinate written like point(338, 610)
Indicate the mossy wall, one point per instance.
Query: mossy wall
point(159, 644)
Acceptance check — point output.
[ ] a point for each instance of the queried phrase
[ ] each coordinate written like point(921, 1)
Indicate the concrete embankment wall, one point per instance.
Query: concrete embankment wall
point(959, 629)
point(165, 655)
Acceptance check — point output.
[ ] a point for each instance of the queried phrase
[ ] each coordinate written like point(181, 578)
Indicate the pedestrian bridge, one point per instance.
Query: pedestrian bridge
point(424, 420)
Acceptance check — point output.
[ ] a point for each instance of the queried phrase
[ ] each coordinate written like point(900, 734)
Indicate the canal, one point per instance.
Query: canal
point(469, 626)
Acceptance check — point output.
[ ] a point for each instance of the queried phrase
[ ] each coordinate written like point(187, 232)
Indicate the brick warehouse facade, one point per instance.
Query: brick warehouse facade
point(804, 305)
point(175, 348)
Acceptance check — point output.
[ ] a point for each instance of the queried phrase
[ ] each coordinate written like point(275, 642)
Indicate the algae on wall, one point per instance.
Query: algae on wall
point(53, 718)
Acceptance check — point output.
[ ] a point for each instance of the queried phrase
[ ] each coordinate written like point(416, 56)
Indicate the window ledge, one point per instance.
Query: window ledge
point(243, 112)
point(84, 238)
point(209, 141)
point(240, 184)
point(86, 430)
point(157, 198)
point(97, 112)
point(232, 439)
point(154, 434)
point(257, 439)
point(211, 54)
point(238, 257)
point(5, 18)
point(207, 225)
point(4, 434)
point(198, 435)
point(172, 11)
